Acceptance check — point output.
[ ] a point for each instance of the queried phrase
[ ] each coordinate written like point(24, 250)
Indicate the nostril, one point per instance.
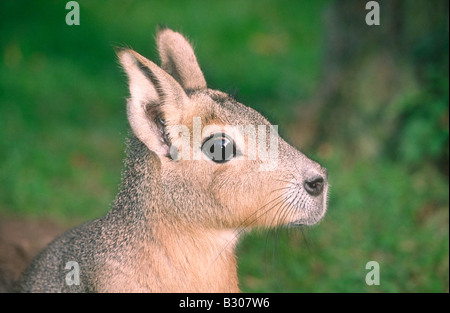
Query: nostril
point(314, 185)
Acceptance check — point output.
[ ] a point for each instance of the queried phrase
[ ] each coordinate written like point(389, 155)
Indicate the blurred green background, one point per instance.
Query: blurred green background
point(368, 102)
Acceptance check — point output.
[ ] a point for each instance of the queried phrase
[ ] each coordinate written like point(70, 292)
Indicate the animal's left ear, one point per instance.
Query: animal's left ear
point(157, 102)
point(178, 59)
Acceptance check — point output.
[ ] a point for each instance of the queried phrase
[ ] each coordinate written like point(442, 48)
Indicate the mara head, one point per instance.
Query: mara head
point(220, 163)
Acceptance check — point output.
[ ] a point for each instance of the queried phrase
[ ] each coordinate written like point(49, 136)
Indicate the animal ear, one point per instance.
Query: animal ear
point(156, 101)
point(178, 59)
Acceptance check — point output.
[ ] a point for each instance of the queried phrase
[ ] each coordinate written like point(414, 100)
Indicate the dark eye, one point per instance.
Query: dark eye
point(219, 148)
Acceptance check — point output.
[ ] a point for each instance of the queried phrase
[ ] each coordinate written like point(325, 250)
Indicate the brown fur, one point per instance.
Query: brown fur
point(175, 222)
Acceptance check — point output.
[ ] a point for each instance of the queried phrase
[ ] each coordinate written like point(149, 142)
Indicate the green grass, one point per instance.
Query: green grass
point(63, 126)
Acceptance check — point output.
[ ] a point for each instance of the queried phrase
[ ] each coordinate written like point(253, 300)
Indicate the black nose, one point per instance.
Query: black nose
point(314, 185)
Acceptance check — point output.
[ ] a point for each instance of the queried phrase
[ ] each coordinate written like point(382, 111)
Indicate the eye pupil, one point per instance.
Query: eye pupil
point(219, 148)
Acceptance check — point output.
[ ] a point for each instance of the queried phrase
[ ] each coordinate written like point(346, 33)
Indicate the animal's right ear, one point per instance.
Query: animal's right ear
point(156, 103)
point(178, 59)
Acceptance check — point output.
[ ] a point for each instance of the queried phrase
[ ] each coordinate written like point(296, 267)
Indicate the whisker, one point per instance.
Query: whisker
point(251, 215)
point(287, 207)
point(265, 212)
point(282, 188)
point(271, 225)
point(284, 181)
point(239, 230)
point(274, 251)
point(282, 217)
point(281, 211)
point(307, 242)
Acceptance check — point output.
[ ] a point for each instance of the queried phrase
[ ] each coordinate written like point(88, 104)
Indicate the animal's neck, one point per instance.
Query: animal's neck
point(135, 199)
point(195, 260)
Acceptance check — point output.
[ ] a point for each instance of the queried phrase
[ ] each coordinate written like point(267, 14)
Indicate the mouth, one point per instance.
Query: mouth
point(306, 221)
point(297, 224)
